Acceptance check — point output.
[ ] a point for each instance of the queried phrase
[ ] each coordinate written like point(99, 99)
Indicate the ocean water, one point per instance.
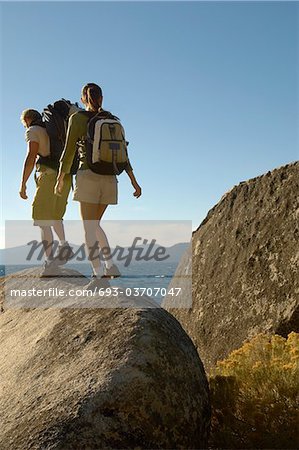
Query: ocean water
point(152, 276)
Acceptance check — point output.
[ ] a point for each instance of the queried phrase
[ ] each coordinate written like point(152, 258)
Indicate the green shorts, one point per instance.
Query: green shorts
point(48, 207)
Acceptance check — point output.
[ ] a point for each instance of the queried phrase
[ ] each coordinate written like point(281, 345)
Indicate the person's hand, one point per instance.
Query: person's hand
point(137, 188)
point(58, 186)
point(22, 192)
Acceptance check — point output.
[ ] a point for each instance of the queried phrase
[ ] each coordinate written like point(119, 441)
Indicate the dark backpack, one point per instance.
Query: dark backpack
point(105, 144)
point(55, 119)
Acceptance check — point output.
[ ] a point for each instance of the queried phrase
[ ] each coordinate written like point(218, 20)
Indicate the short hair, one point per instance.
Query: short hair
point(32, 114)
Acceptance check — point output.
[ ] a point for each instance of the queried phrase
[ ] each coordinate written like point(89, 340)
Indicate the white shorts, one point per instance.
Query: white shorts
point(94, 188)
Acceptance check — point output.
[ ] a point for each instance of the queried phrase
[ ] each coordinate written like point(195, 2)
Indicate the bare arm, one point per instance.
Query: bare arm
point(28, 166)
point(135, 185)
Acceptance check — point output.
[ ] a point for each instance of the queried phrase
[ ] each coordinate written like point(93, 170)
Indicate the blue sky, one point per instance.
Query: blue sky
point(207, 93)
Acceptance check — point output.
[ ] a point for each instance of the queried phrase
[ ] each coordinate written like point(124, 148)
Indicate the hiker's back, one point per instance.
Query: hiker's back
point(55, 119)
point(103, 148)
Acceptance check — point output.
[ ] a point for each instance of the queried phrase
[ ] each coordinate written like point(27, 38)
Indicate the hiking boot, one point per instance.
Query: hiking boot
point(64, 254)
point(50, 270)
point(113, 272)
point(98, 283)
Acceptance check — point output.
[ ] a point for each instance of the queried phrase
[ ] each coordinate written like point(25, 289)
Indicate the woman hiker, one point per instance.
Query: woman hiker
point(93, 191)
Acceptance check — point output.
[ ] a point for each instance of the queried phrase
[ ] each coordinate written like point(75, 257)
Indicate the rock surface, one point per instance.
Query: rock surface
point(245, 266)
point(78, 379)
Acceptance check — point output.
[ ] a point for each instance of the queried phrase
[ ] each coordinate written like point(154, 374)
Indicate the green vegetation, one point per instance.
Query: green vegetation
point(255, 395)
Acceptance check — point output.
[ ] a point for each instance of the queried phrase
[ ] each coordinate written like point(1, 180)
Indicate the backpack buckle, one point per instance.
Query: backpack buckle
point(114, 146)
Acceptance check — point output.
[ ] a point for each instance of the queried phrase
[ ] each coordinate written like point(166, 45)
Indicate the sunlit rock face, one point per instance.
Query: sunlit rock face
point(245, 266)
point(113, 377)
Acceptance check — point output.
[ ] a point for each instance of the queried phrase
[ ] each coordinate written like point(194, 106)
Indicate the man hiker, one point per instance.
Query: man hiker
point(48, 209)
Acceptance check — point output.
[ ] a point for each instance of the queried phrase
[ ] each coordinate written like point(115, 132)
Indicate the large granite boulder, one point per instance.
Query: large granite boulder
point(245, 266)
point(75, 378)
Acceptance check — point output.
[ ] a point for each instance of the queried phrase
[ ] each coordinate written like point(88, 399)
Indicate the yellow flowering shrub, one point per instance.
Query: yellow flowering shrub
point(255, 395)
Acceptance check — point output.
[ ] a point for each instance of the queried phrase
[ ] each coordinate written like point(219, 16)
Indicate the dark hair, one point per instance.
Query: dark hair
point(92, 96)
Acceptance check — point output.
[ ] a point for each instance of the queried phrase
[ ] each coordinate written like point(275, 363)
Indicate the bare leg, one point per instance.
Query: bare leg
point(47, 239)
point(59, 230)
point(104, 244)
point(91, 214)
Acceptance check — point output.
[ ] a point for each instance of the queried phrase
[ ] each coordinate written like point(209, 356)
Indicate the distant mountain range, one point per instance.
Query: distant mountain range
point(18, 255)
